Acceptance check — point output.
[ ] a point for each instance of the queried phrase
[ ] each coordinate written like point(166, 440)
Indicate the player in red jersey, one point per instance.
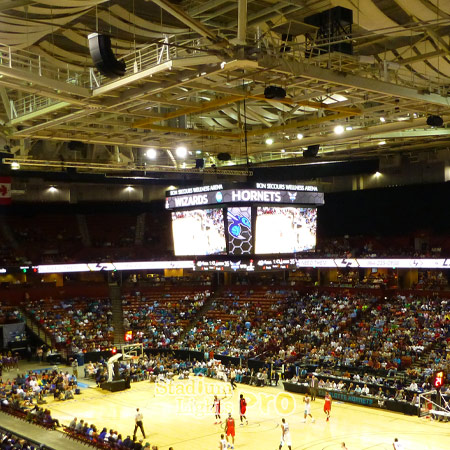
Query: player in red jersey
point(242, 409)
point(230, 430)
point(327, 405)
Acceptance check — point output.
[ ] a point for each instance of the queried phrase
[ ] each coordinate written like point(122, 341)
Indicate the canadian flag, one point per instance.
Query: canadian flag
point(5, 190)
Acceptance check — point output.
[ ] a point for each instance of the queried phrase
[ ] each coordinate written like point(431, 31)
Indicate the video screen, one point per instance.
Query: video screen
point(285, 230)
point(198, 232)
point(239, 230)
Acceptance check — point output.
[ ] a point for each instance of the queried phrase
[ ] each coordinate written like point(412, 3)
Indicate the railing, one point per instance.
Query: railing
point(44, 335)
point(144, 58)
point(151, 55)
point(29, 104)
point(32, 62)
point(38, 329)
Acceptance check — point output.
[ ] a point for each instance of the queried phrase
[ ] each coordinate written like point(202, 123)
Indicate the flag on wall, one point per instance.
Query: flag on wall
point(5, 190)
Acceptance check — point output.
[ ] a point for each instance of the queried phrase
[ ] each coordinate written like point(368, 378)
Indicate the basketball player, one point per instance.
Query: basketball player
point(307, 402)
point(327, 405)
point(230, 430)
point(285, 435)
point(216, 406)
point(222, 443)
point(397, 445)
point(242, 410)
point(343, 446)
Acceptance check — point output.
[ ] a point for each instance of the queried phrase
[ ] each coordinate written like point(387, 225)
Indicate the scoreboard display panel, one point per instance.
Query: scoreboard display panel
point(285, 230)
point(244, 219)
point(240, 236)
point(199, 232)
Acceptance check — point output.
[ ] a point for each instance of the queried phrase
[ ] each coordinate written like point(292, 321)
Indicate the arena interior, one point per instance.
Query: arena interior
point(224, 224)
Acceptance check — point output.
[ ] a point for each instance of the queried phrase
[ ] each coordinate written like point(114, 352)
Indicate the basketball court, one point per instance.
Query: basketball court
point(180, 415)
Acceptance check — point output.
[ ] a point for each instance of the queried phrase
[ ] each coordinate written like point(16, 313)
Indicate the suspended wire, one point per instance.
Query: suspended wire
point(245, 129)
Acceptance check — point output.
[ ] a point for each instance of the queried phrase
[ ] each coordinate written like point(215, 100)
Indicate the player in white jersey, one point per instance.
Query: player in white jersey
point(216, 406)
point(223, 443)
point(307, 402)
point(285, 435)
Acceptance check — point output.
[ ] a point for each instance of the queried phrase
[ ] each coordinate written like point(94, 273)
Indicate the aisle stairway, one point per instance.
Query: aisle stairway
point(140, 229)
point(7, 234)
point(84, 231)
point(115, 296)
point(41, 333)
point(202, 311)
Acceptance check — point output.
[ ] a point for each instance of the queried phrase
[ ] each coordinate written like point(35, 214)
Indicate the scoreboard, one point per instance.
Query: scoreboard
point(240, 219)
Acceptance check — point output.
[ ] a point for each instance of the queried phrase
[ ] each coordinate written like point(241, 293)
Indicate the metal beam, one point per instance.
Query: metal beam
point(297, 124)
point(38, 113)
point(205, 6)
point(349, 136)
point(195, 132)
point(242, 22)
point(286, 101)
point(5, 100)
point(203, 107)
point(25, 75)
point(52, 123)
point(10, 4)
point(196, 25)
point(421, 57)
point(132, 78)
point(124, 167)
point(352, 81)
point(410, 134)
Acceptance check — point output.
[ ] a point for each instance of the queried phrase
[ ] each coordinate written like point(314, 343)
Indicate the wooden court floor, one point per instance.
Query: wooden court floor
point(180, 415)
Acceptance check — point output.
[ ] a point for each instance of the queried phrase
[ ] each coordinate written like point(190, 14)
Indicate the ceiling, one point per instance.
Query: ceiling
point(196, 75)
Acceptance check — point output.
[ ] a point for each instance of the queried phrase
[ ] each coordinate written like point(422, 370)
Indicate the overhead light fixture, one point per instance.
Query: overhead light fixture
point(129, 188)
point(377, 174)
point(283, 150)
point(181, 152)
point(382, 119)
point(151, 153)
point(299, 136)
point(15, 165)
point(382, 143)
point(269, 141)
point(52, 189)
point(198, 152)
point(338, 129)
point(348, 128)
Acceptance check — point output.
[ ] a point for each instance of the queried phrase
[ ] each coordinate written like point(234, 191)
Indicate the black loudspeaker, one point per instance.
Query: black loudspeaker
point(274, 93)
point(103, 57)
point(114, 386)
point(199, 163)
point(224, 157)
point(435, 121)
point(312, 151)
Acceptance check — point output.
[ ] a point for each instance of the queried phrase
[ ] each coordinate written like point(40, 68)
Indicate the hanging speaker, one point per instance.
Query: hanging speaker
point(435, 121)
point(312, 151)
point(103, 56)
point(274, 92)
point(223, 156)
